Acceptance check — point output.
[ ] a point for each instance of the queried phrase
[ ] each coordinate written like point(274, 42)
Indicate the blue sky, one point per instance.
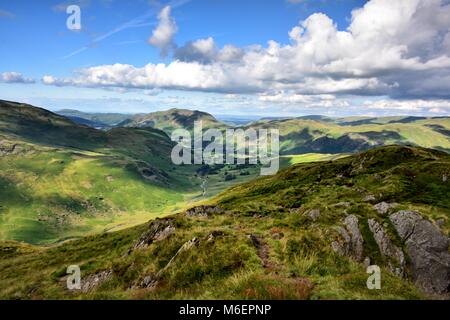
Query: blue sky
point(36, 43)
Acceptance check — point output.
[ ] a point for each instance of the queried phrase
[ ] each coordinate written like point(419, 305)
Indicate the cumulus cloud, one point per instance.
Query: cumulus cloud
point(396, 48)
point(163, 35)
point(435, 106)
point(14, 77)
point(206, 51)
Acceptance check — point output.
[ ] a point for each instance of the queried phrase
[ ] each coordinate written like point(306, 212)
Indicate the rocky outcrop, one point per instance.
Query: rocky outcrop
point(203, 211)
point(152, 280)
point(393, 254)
point(384, 207)
point(94, 280)
point(159, 230)
point(314, 214)
point(353, 242)
point(427, 249)
point(185, 247)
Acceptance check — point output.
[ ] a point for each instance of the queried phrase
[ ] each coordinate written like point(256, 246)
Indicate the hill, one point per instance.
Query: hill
point(317, 134)
point(173, 119)
point(60, 179)
point(306, 233)
point(95, 118)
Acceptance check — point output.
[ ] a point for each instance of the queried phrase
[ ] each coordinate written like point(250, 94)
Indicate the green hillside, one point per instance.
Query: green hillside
point(173, 119)
point(273, 238)
point(105, 119)
point(61, 180)
point(300, 136)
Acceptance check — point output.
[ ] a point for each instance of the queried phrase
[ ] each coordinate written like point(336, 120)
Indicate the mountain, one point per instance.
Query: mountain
point(60, 179)
point(173, 119)
point(89, 123)
point(322, 135)
point(96, 119)
point(306, 233)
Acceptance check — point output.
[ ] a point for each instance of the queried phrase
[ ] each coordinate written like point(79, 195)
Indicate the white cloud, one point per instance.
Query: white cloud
point(14, 77)
point(163, 35)
point(206, 51)
point(410, 105)
point(393, 48)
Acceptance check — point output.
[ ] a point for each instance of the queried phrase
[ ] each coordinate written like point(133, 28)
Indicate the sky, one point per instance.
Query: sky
point(229, 57)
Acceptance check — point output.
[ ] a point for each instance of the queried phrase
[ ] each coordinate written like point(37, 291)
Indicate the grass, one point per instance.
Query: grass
point(293, 260)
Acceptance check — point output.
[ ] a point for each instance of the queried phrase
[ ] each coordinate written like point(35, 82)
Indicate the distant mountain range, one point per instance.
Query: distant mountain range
point(96, 120)
point(298, 135)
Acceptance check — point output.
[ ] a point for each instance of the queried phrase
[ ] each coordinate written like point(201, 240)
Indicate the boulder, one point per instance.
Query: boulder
point(427, 249)
point(353, 242)
point(369, 198)
point(357, 240)
point(314, 214)
point(94, 280)
point(203, 211)
point(394, 255)
point(384, 207)
point(159, 230)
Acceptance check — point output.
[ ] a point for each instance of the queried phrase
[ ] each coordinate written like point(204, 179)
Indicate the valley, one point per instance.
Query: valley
point(112, 202)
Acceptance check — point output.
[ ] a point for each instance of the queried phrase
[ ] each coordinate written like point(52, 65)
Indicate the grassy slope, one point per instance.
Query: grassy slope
point(172, 119)
point(299, 136)
point(298, 260)
point(61, 180)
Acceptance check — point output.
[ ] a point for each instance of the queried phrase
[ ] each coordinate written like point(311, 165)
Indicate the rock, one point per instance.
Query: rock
point(213, 235)
point(94, 280)
point(427, 249)
point(314, 214)
point(203, 211)
point(444, 178)
point(394, 255)
point(159, 230)
point(185, 247)
point(369, 198)
point(343, 204)
point(150, 281)
point(353, 243)
point(440, 222)
point(295, 210)
point(357, 241)
point(277, 235)
point(366, 262)
point(384, 207)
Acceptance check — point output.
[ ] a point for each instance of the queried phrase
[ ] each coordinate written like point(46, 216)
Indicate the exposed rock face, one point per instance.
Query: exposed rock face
point(213, 235)
point(343, 204)
point(357, 241)
point(149, 282)
point(384, 207)
point(427, 249)
point(369, 198)
point(395, 256)
point(203, 211)
point(185, 247)
point(159, 230)
point(314, 214)
point(353, 244)
point(94, 280)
